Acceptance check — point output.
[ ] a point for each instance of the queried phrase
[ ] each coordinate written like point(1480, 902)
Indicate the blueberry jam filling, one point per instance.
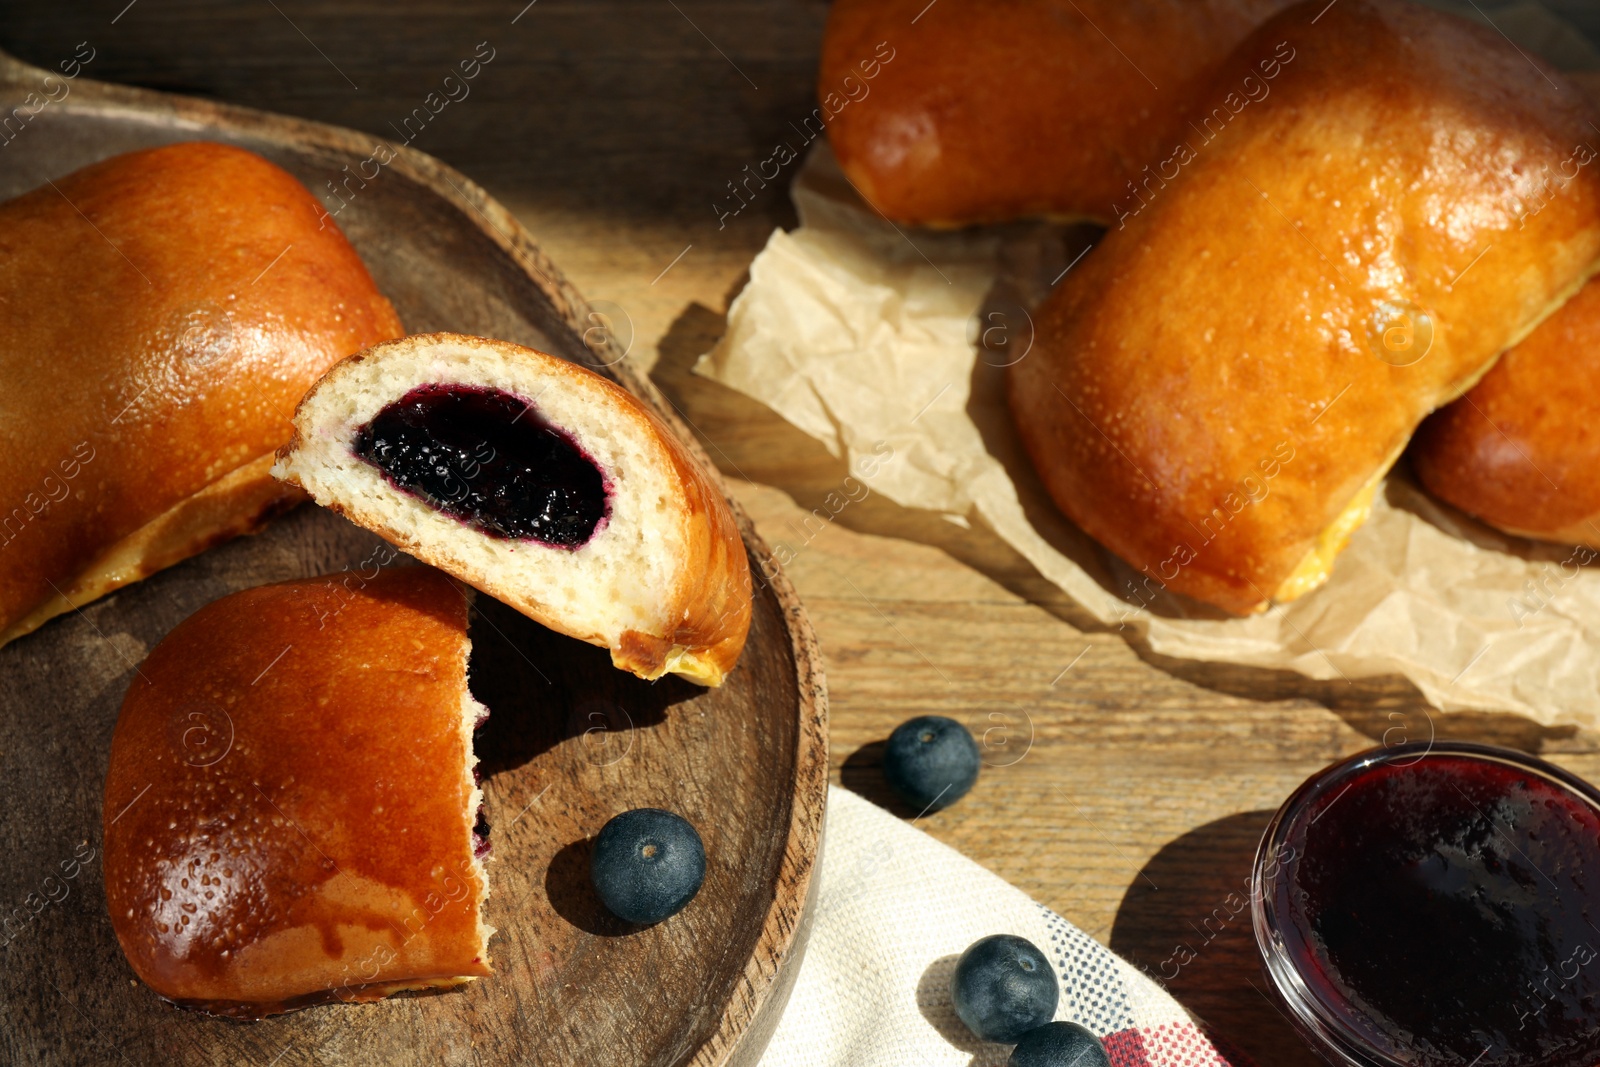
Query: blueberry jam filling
point(1447, 911)
point(480, 826)
point(487, 458)
point(477, 735)
point(480, 835)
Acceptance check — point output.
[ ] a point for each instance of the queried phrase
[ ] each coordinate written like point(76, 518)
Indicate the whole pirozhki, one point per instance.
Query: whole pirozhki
point(1217, 389)
point(160, 314)
point(971, 111)
point(539, 482)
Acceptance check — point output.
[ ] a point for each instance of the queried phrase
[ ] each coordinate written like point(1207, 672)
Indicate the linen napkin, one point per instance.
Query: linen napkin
point(894, 909)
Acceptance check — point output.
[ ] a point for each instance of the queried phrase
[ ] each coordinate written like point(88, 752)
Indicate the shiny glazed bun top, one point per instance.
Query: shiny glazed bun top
point(289, 809)
point(161, 313)
point(969, 111)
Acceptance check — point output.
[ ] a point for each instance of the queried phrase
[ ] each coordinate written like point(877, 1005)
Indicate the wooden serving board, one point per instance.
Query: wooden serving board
point(571, 741)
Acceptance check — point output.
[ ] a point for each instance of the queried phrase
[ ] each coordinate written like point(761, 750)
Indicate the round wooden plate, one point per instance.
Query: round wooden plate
point(571, 741)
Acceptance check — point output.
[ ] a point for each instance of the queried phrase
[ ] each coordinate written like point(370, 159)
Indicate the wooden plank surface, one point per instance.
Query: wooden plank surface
point(1131, 790)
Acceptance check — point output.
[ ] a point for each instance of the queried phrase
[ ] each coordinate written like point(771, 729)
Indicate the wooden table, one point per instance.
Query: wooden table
point(610, 127)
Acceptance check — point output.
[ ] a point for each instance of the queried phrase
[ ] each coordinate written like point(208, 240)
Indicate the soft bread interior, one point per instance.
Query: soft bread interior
point(1317, 564)
point(598, 591)
point(472, 713)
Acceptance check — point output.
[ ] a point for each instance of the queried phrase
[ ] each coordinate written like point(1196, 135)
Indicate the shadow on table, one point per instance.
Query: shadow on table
point(1388, 709)
point(573, 896)
point(933, 1001)
point(862, 774)
point(748, 440)
point(542, 688)
point(1185, 922)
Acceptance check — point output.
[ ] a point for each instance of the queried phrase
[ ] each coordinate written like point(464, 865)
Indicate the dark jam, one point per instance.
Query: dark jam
point(487, 458)
point(1444, 909)
point(480, 835)
point(481, 845)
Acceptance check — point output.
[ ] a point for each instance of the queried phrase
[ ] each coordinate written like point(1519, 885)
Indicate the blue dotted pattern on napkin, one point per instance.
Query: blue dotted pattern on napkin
point(1090, 979)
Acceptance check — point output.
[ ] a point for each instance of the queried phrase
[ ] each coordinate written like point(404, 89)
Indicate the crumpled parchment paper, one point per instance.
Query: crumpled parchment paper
point(889, 347)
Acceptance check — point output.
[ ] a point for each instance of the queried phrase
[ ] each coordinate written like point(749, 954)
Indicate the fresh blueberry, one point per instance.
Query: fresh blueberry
point(647, 865)
point(1059, 1045)
point(930, 762)
point(1003, 987)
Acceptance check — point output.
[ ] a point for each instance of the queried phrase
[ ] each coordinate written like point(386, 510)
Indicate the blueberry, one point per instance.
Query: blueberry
point(930, 762)
point(647, 865)
point(1059, 1045)
point(1003, 987)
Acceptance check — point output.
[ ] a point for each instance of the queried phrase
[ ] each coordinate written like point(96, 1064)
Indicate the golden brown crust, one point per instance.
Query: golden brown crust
point(709, 608)
point(239, 502)
point(712, 604)
point(1206, 394)
point(1521, 450)
point(984, 110)
point(287, 814)
point(160, 314)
